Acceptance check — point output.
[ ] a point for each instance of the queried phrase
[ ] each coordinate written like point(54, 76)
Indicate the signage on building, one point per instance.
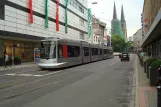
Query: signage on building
point(142, 24)
point(89, 22)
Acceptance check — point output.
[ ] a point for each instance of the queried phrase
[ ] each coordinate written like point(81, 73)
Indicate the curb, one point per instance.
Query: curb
point(133, 92)
point(18, 66)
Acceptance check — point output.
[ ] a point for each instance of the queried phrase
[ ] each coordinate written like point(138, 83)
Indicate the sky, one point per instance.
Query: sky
point(132, 11)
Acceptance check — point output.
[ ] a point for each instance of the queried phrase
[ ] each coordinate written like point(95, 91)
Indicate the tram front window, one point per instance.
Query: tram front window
point(48, 50)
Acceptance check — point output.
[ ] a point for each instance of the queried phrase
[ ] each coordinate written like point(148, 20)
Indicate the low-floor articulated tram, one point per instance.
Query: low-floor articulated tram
point(59, 53)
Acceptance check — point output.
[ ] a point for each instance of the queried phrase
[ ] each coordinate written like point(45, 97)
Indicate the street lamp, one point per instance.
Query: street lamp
point(93, 2)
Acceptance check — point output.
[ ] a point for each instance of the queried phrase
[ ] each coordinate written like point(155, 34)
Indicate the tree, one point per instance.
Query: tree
point(129, 46)
point(118, 43)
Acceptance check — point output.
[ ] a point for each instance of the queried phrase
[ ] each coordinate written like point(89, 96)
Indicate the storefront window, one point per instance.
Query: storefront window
point(25, 51)
point(160, 48)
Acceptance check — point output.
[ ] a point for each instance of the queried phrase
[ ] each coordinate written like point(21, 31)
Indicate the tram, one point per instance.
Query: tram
point(59, 53)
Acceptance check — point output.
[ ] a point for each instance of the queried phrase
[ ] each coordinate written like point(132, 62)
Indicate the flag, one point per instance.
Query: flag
point(31, 12)
point(66, 16)
point(57, 15)
point(46, 13)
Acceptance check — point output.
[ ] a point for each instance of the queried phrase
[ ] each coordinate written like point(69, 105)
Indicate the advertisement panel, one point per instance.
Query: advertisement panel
point(36, 55)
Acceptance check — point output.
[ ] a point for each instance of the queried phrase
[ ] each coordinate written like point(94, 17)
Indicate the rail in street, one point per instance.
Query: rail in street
point(103, 83)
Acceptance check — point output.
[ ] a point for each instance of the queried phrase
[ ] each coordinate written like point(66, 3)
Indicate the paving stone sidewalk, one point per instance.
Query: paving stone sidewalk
point(23, 65)
point(146, 96)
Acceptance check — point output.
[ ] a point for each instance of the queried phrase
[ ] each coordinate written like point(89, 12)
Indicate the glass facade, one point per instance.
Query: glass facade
point(25, 51)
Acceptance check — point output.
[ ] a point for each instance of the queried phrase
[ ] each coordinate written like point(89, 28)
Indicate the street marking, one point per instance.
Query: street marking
point(34, 75)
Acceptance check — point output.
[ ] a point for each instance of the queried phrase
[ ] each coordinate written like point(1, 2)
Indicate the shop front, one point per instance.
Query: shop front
point(24, 51)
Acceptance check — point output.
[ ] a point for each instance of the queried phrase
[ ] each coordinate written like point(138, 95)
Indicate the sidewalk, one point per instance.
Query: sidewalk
point(23, 65)
point(146, 96)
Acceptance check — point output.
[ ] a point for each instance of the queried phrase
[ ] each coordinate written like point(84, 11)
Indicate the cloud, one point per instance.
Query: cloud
point(132, 11)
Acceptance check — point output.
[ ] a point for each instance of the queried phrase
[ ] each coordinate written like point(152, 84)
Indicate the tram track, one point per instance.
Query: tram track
point(45, 84)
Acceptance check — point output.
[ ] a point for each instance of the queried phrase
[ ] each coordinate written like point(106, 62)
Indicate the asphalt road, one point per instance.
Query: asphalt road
point(106, 83)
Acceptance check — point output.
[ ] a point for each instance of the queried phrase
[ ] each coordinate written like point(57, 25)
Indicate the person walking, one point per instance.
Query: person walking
point(6, 60)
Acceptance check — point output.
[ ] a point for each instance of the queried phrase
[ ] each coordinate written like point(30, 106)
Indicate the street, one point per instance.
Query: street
point(106, 83)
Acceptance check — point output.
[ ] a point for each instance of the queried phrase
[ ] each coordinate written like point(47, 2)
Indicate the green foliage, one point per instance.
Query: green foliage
point(1, 58)
point(150, 60)
point(156, 64)
point(118, 43)
point(17, 58)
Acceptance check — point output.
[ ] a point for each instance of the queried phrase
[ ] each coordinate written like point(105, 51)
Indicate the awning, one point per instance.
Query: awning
point(154, 32)
point(18, 36)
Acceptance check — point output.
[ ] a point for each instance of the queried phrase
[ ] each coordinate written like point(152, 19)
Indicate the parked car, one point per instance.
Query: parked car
point(125, 56)
point(116, 53)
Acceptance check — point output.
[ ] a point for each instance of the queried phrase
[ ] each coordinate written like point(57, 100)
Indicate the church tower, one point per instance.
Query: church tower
point(123, 23)
point(115, 24)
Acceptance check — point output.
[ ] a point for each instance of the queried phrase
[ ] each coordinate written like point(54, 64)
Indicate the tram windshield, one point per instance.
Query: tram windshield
point(48, 50)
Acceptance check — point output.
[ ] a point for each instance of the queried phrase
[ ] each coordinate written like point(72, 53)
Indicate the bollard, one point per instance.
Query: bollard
point(158, 96)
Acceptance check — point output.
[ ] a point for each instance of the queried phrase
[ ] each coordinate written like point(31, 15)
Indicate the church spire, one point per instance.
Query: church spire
point(114, 12)
point(122, 15)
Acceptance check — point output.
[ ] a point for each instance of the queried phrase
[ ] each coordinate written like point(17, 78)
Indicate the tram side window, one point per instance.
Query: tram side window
point(86, 51)
point(60, 51)
point(73, 51)
point(100, 51)
point(105, 51)
point(94, 51)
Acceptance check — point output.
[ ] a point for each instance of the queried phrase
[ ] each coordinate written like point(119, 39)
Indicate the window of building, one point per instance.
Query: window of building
point(81, 22)
point(76, 5)
point(82, 36)
point(86, 51)
point(100, 51)
point(81, 9)
point(105, 51)
point(73, 51)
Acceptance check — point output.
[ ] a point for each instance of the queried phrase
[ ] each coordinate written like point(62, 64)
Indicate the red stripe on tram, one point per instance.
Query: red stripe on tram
point(64, 51)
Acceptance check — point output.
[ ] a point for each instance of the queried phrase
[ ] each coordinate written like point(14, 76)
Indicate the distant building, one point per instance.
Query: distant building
point(98, 29)
point(107, 38)
point(123, 23)
point(137, 40)
point(130, 38)
point(115, 24)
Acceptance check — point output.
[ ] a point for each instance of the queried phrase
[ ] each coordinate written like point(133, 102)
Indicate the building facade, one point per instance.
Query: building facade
point(26, 22)
point(131, 38)
point(152, 34)
point(99, 29)
point(137, 40)
point(123, 23)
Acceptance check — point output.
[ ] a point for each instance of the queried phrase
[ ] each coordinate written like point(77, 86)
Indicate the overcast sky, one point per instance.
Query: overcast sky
point(132, 12)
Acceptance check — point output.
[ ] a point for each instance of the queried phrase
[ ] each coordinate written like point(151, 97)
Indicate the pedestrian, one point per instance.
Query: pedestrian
point(6, 60)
